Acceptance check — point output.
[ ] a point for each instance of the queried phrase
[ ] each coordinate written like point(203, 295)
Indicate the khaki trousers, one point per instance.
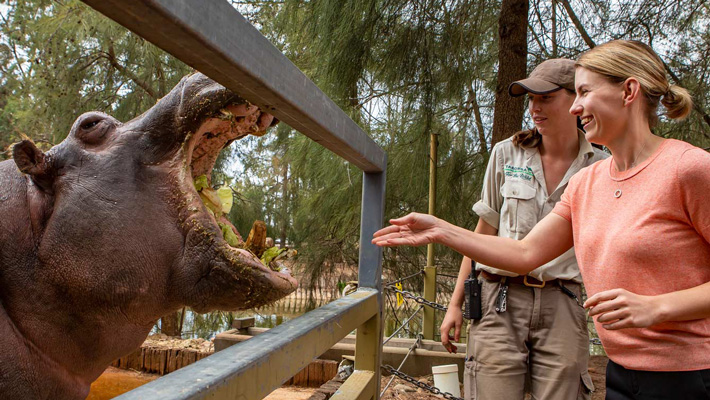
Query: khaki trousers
point(542, 338)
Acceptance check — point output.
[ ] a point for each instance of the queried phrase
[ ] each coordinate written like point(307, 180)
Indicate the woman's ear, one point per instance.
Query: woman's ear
point(632, 90)
point(32, 161)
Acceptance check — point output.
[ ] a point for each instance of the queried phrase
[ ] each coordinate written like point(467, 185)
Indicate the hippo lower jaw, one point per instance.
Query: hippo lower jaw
point(253, 283)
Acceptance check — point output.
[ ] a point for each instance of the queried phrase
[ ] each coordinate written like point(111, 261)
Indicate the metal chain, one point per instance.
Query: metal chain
point(418, 299)
point(429, 388)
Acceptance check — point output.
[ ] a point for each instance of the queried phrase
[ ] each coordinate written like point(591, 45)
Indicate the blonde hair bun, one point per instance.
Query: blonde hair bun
point(677, 102)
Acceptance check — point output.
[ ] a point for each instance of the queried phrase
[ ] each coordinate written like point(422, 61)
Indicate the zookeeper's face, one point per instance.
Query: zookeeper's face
point(550, 113)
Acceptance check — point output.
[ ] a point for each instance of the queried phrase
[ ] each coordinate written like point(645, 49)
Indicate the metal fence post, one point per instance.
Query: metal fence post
point(368, 345)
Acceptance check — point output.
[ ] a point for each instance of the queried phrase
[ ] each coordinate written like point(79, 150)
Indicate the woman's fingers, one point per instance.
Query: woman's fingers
point(612, 316)
point(387, 230)
point(620, 324)
point(602, 296)
point(606, 306)
point(407, 219)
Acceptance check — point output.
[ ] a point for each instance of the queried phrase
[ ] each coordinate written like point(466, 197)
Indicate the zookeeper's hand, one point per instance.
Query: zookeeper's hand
point(620, 309)
point(452, 319)
point(411, 230)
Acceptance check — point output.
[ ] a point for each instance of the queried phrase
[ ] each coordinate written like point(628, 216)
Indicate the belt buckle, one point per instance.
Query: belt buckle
point(535, 285)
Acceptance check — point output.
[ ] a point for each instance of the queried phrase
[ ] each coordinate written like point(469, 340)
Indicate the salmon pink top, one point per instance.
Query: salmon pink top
point(653, 239)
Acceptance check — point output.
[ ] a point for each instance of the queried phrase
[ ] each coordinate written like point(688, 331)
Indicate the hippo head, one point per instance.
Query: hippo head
point(118, 222)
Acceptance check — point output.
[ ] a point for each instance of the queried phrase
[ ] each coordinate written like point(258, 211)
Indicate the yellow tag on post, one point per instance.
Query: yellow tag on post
point(400, 299)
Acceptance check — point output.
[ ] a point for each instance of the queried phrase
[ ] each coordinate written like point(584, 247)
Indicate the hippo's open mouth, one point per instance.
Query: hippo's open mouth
point(265, 281)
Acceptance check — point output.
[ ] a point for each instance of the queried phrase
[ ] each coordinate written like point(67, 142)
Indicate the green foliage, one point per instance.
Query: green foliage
point(61, 58)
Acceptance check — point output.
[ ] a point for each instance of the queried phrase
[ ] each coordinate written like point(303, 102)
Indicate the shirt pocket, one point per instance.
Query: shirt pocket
point(519, 209)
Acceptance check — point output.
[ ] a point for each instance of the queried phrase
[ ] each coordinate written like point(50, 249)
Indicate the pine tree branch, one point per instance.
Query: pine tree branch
point(479, 121)
point(696, 106)
point(111, 56)
point(577, 24)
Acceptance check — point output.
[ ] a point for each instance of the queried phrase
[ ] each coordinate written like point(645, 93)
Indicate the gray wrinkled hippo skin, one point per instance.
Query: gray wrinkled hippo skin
point(105, 233)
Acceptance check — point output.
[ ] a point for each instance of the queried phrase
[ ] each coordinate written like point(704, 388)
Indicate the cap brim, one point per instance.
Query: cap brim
point(531, 85)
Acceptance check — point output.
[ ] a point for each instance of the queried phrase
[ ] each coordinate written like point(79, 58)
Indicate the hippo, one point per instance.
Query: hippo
point(106, 232)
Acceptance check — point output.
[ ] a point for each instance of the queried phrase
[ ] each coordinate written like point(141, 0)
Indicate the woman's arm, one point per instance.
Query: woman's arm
point(619, 308)
point(454, 317)
point(551, 237)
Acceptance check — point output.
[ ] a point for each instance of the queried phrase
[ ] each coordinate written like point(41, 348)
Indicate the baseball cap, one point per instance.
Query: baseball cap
point(547, 77)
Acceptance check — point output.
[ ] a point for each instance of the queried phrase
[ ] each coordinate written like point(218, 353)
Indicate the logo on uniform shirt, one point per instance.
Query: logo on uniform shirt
point(512, 171)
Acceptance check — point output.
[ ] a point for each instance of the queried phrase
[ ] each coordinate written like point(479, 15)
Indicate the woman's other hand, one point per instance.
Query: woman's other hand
point(414, 229)
point(452, 319)
point(620, 309)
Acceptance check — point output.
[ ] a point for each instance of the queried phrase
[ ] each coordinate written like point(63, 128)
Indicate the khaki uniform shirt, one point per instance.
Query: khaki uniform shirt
point(514, 198)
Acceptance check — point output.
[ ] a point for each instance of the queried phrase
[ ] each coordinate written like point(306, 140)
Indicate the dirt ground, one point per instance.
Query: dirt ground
point(114, 382)
point(396, 391)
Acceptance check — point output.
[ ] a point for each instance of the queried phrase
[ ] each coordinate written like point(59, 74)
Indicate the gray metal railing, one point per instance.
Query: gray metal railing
point(212, 37)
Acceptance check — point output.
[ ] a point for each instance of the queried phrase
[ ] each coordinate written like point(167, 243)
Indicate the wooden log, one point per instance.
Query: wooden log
point(301, 378)
point(330, 369)
point(155, 360)
point(163, 360)
point(134, 360)
point(172, 360)
point(315, 374)
point(178, 359)
point(148, 359)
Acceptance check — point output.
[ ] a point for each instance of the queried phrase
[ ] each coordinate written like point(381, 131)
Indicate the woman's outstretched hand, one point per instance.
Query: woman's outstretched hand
point(411, 230)
point(620, 309)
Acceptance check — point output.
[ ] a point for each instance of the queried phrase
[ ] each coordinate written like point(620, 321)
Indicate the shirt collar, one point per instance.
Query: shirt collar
point(585, 148)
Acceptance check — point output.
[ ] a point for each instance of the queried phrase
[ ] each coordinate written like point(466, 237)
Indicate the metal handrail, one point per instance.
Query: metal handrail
point(242, 372)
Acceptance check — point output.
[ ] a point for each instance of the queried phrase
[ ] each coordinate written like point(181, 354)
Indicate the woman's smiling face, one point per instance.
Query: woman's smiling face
point(550, 113)
point(600, 106)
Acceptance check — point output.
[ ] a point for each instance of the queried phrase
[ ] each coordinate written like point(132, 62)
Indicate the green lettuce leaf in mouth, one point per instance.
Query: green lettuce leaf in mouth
point(219, 203)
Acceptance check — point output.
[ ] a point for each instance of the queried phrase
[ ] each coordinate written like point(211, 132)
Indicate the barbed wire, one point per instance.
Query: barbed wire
point(418, 299)
point(420, 272)
point(403, 325)
point(414, 345)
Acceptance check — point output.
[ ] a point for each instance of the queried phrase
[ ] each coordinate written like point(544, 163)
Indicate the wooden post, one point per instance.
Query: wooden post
point(428, 327)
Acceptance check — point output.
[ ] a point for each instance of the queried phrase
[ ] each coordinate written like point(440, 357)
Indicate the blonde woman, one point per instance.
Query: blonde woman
point(532, 325)
point(640, 224)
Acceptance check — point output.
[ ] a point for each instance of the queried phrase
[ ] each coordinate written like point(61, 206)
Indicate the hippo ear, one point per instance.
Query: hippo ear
point(32, 161)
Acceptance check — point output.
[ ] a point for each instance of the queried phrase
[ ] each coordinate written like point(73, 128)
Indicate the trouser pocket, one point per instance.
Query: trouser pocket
point(469, 380)
point(586, 387)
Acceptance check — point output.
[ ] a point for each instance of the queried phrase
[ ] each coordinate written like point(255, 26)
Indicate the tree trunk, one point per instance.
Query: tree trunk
point(512, 57)
point(170, 324)
point(284, 205)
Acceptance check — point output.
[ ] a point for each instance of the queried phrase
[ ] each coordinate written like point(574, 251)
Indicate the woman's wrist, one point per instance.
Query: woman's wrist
point(444, 233)
point(662, 309)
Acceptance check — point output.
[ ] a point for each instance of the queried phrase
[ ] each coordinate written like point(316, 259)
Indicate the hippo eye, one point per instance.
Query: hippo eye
point(90, 124)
